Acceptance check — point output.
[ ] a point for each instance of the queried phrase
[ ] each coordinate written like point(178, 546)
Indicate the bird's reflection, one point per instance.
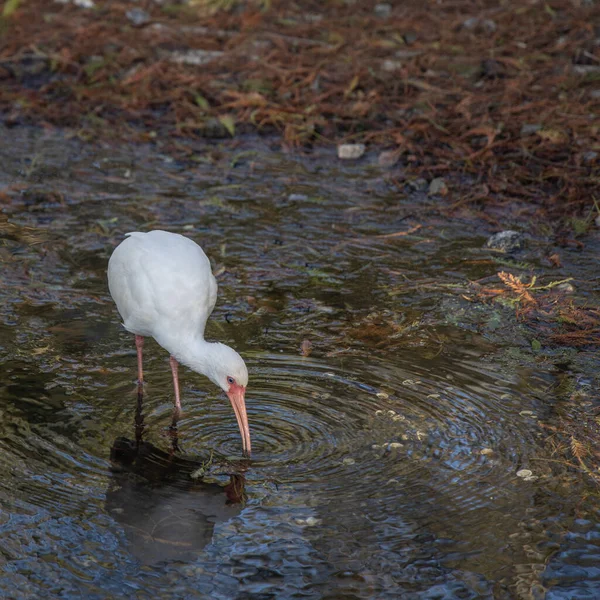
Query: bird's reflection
point(167, 510)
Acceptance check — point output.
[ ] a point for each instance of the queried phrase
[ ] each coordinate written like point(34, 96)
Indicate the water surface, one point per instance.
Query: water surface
point(385, 462)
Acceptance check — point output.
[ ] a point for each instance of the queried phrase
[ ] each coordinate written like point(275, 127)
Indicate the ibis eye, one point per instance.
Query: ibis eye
point(230, 380)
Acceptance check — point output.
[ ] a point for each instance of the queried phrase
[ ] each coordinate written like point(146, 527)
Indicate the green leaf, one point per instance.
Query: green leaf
point(536, 346)
point(229, 124)
point(201, 101)
point(10, 7)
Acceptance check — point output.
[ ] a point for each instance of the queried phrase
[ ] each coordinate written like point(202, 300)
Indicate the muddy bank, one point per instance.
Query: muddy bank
point(501, 101)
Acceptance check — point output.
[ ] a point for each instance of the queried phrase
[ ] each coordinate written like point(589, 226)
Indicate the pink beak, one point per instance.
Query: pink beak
point(236, 396)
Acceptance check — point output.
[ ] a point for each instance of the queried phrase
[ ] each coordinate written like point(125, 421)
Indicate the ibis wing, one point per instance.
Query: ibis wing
point(162, 282)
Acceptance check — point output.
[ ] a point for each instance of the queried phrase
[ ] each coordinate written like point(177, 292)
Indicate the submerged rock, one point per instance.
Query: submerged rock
point(438, 187)
point(137, 16)
point(506, 241)
point(350, 151)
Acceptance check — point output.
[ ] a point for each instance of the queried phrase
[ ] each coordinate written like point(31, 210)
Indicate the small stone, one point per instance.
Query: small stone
point(383, 10)
point(471, 23)
point(486, 451)
point(530, 128)
point(388, 159)
point(566, 288)
point(137, 16)
point(506, 241)
point(382, 395)
point(398, 418)
point(378, 413)
point(526, 413)
point(312, 521)
point(391, 413)
point(524, 473)
point(395, 445)
point(348, 461)
point(297, 197)
point(477, 24)
point(390, 65)
point(196, 57)
point(350, 151)
point(438, 187)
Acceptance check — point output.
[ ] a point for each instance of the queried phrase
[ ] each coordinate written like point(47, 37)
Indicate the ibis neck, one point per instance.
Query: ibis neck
point(194, 352)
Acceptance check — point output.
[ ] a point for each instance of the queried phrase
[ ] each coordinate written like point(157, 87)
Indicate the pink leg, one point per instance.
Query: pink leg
point(175, 384)
point(139, 344)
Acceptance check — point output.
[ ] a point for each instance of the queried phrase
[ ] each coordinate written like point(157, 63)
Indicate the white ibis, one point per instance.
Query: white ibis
point(163, 287)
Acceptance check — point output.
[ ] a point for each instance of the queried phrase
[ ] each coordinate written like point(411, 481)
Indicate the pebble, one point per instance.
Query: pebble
point(138, 16)
point(297, 197)
point(383, 10)
point(388, 159)
point(394, 445)
point(530, 128)
point(309, 522)
point(566, 288)
point(526, 413)
point(382, 395)
point(348, 461)
point(196, 57)
point(350, 151)
point(475, 23)
point(390, 65)
point(486, 451)
point(524, 473)
point(438, 187)
point(507, 241)
point(80, 3)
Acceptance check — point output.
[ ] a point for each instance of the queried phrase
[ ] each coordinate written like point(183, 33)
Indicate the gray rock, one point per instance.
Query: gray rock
point(350, 151)
point(566, 288)
point(388, 158)
point(297, 197)
point(471, 23)
point(391, 65)
point(196, 57)
point(506, 241)
point(137, 16)
point(383, 10)
point(438, 187)
point(530, 128)
point(482, 25)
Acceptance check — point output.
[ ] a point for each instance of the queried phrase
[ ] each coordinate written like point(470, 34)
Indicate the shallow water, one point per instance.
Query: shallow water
point(385, 462)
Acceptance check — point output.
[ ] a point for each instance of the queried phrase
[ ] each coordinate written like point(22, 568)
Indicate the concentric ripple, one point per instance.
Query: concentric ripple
point(441, 427)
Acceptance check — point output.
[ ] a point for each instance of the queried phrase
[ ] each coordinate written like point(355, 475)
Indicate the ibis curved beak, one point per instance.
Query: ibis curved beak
point(236, 397)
